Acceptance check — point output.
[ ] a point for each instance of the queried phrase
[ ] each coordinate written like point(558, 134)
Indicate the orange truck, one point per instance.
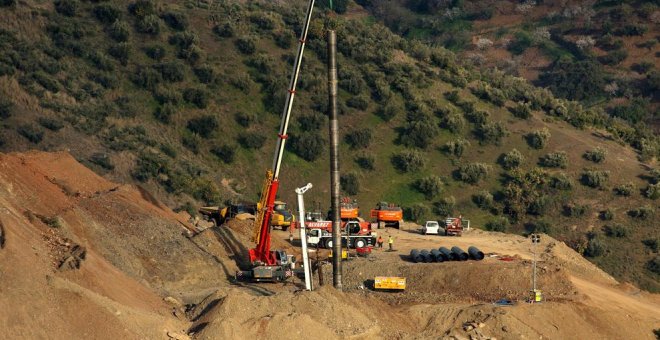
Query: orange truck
point(388, 215)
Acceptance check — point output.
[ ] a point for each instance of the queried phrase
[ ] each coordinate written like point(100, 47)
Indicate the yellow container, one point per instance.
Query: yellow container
point(344, 254)
point(390, 282)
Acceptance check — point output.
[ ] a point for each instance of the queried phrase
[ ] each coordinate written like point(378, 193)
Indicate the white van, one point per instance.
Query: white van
point(431, 227)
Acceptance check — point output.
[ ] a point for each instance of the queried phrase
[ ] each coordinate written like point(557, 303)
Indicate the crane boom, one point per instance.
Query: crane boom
point(261, 254)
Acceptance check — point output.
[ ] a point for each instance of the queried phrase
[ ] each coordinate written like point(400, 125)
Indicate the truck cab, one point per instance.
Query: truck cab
point(431, 227)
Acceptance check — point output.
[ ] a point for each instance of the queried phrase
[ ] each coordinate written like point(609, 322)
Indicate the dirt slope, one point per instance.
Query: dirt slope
point(84, 257)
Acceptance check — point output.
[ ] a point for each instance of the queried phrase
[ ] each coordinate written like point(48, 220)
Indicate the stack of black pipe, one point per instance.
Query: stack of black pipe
point(443, 254)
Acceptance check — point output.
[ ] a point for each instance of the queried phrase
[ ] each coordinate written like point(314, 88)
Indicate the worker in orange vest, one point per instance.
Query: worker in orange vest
point(379, 242)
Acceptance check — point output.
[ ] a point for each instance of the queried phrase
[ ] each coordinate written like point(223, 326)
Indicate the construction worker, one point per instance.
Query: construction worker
point(379, 242)
point(390, 241)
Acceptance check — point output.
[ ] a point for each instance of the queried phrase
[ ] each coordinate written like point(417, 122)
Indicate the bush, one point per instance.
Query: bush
point(473, 173)
point(416, 212)
point(141, 8)
point(226, 153)
point(652, 244)
point(149, 25)
point(358, 139)
point(595, 247)
point(613, 57)
point(477, 117)
point(155, 52)
point(366, 161)
point(119, 31)
point(511, 160)
point(521, 110)
point(444, 207)
point(50, 123)
point(31, 133)
point(171, 71)
point(149, 165)
point(492, 133)
point(419, 133)
point(121, 52)
point(643, 213)
point(164, 113)
point(203, 126)
point(284, 39)
point(350, 183)
point(8, 3)
point(654, 267)
point(595, 178)
point(538, 139)
point(6, 108)
point(408, 161)
point(360, 102)
point(67, 7)
point(483, 199)
point(625, 189)
point(453, 122)
point(308, 145)
point(575, 210)
point(311, 122)
point(205, 74)
point(500, 224)
point(430, 186)
point(561, 182)
point(606, 215)
point(245, 119)
point(225, 30)
point(456, 147)
point(652, 191)
point(597, 155)
point(102, 160)
point(196, 96)
point(539, 205)
point(554, 160)
point(246, 45)
point(146, 77)
point(251, 140)
point(107, 13)
point(177, 21)
point(575, 80)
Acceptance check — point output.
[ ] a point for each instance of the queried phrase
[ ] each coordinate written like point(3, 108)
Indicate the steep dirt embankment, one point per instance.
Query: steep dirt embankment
point(81, 257)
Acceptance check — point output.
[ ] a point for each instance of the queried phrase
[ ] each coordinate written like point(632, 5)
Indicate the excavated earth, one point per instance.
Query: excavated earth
point(82, 257)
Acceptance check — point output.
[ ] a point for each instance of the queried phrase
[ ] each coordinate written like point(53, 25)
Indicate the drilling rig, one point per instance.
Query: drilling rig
point(267, 264)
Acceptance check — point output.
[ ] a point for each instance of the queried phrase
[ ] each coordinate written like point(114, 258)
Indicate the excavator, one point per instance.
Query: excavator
point(386, 214)
point(266, 264)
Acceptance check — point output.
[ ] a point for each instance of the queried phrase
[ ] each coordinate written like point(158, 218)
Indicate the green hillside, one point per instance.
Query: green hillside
point(184, 98)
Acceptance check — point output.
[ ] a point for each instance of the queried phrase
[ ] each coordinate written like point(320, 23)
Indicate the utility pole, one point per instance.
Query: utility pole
point(303, 234)
point(536, 296)
point(334, 160)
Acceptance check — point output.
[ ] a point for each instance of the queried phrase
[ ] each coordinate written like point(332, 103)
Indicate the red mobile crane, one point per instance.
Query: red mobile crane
point(267, 264)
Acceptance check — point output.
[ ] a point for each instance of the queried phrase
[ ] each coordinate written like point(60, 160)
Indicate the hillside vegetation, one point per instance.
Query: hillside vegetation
point(184, 98)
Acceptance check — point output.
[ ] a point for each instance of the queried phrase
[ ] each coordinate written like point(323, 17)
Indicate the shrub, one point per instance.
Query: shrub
point(654, 267)
point(575, 210)
point(177, 21)
point(453, 122)
point(416, 212)
point(31, 133)
point(225, 30)
point(575, 80)
point(166, 95)
point(500, 224)
point(308, 145)
point(521, 110)
point(419, 133)
point(613, 57)
point(389, 111)
point(625, 189)
point(554, 160)
point(652, 191)
point(67, 7)
point(456, 147)
point(8, 3)
point(360, 102)
point(226, 152)
point(444, 207)
point(102, 160)
point(205, 74)
point(155, 52)
point(492, 133)
point(540, 226)
point(538, 139)
point(196, 96)
point(146, 77)
point(561, 182)
point(477, 117)
point(121, 52)
point(284, 39)
point(408, 161)
point(50, 123)
point(643, 213)
point(595, 247)
point(141, 8)
point(6, 108)
point(149, 165)
point(350, 183)
point(652, 244)
point(595, 178)
point(430, 186)
point(164, 113)
point(246, 45)
point(606, 215)
point(597, 155)
point(473, 173)
point(150, 24)
point(311, 122)
point(511, 160)
point(483, 199)
point(251, 140)
point(106, 13)
point(358, 139)
point(539, 205)
point(171, 71)
point(203, 126)
point(119, 31)
point(245, 119)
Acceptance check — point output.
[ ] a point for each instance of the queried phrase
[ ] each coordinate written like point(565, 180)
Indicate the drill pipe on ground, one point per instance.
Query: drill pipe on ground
point(426, 256)
point(437, 256)
point(449, 256)
point(475, 253)
point(415, 256)
point(460, 254)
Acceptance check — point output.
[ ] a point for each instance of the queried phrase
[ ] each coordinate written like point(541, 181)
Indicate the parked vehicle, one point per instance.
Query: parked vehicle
point(431, 227)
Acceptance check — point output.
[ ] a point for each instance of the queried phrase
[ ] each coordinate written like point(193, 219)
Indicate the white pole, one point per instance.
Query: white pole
point(303, 234)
